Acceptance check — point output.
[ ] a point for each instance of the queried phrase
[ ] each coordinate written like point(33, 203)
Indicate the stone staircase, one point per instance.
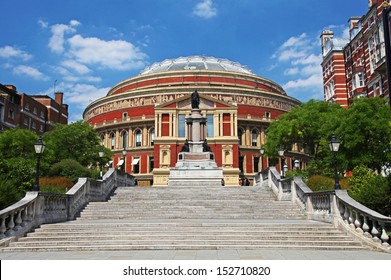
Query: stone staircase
point(195, 218)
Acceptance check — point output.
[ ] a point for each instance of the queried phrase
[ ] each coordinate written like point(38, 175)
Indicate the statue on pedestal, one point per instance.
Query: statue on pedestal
point(195, 100)
point(205, 146)
point(185, 147)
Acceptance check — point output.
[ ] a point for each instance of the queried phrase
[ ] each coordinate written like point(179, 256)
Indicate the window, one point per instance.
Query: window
point(138, 138)
point(124, 115)
point(151, 136)
point(209, 126)
point(27, 106)
point(240, 136)
point(124, 139)
point(151, 163)
point(256, 164)
point(11, 114)
point(1, 112)
point(241, 161)
point(268, 115)
point(112, 138)
point(136, 165)
point(254, 138)
point(35, 111)
point(181, 126)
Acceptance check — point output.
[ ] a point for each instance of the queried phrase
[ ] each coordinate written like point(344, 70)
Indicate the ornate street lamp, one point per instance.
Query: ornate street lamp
point(334, 147)
point(262, 151)
point(297, 164)
point(101, 155)
point(123, 158)
point(281, 152)
point(39, 147)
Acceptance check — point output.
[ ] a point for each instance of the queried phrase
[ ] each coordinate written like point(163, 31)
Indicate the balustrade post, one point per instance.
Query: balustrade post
point(365, 227)
point(309, 207)
point(280, 190)
point(384, 236)
point(3, 228)
point(375, 232)
point(293, 191)
point(11, 225)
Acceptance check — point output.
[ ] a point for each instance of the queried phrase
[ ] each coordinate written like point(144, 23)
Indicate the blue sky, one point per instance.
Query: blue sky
point(85, 47)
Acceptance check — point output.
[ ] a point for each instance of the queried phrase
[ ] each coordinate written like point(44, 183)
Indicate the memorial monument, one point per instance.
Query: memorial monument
point(196, 165)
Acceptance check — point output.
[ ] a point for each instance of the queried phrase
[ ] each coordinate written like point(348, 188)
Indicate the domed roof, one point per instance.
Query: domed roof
point(196, 63)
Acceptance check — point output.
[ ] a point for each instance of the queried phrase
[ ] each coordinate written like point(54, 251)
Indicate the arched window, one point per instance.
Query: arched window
point(152, 136)
point(139, 138)
point(254, 137)
point(112, 139)
point(124, 139)
point(240, 136)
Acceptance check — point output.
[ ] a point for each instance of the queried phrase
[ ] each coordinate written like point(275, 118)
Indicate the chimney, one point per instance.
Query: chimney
point(58, 97)
point(11, 87)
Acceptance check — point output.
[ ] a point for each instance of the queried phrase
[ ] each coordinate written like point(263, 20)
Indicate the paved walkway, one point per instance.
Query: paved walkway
point(200, 255)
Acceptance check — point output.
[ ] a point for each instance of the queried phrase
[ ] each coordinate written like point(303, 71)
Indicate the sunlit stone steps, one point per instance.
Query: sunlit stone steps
point(142, 218)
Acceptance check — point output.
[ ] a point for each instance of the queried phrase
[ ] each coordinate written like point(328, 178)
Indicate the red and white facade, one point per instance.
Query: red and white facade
point(146, 116)
point(356, 67)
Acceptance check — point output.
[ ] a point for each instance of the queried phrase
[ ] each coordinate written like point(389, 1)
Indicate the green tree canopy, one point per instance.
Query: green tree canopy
point(364, 130)
point(76, 141)
point(365, 133)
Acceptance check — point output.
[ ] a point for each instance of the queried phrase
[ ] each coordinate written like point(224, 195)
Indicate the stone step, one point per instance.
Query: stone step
point(158, 246)
point(194, 241)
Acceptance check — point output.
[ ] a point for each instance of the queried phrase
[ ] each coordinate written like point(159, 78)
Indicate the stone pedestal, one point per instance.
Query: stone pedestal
point(195, 168)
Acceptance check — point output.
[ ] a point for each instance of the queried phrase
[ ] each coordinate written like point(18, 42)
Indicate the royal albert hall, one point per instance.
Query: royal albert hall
point(143, 119)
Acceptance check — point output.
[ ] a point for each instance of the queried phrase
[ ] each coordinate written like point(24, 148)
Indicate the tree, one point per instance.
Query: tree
point(366, 134)
point(18, 158)
point(311, 124)
point(364, 130)
point(77, 141)
point(16, 143)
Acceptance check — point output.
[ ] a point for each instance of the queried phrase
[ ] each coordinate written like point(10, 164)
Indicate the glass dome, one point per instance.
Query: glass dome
point(196, 63)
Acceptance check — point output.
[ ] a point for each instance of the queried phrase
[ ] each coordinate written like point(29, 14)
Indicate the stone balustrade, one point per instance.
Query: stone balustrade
point(38, 208)
point(335, 207)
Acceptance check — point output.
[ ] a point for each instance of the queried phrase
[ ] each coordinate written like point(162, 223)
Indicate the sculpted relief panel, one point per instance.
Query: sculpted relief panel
point(159, 99)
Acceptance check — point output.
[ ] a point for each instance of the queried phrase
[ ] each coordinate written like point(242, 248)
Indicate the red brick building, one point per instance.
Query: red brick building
point(356, 67)
point(146, 116)
point(33, 112)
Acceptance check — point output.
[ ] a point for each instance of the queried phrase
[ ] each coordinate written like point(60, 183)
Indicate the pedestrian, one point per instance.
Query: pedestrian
point(222, 182)
point(247, 182)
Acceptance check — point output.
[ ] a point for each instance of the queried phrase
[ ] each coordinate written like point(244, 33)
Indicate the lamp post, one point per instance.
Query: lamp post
point(334, 147)
point(39, 147)
point(123, 158)
point(101, 155)
point(262, 151)
point(297, 164)
point(281, 152)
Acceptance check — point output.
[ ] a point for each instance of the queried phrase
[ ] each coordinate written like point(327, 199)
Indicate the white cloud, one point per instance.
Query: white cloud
point(116, 54)
point(43, 24)
point(56, 42)
point(300, 58)
point(83, 94)
point(291, 71)
point(29, 71)
point(76, 66)
point(11, 52)
point(311, 81)
point(205, 9)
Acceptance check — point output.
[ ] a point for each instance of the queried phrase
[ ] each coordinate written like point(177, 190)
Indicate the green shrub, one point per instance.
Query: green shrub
point(371, 190)
point(9, 192)
point(320, 183)
point(70, 169)
point(55, 184)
